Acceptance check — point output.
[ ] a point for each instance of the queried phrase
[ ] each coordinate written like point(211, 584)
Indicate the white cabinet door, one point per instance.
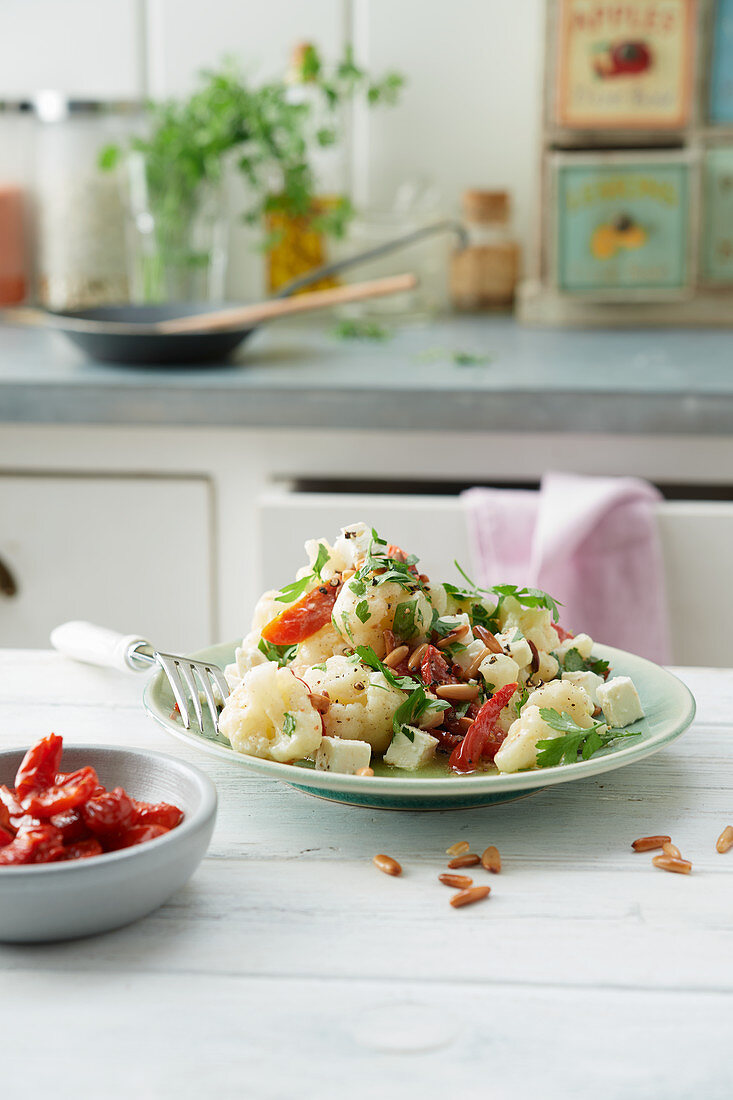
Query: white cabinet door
point(697, 543)
point(131, 553)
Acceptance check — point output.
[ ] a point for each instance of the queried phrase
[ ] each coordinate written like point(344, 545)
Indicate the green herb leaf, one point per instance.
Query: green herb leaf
point(414, 707)
point(288, 724)
point(577, 739)
point(290, 592)
point(521, 699)
point(573, 662)
point(362, 611)
point(405, 625)
point(321, 558)
point(361, 330)
point(281, 654)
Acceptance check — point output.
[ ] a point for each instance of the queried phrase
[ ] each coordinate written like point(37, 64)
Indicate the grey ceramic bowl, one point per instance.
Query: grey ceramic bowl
point(60, 901)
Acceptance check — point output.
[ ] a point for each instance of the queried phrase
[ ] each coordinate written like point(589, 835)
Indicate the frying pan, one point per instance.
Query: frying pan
point(183, 333)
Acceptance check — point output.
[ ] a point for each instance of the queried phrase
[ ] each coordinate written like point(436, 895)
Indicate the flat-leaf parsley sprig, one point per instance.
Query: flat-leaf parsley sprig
point(526, 597)
point(290, 592)
point(577, 739)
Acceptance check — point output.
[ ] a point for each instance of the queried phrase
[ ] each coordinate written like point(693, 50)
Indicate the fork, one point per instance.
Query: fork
point(97, 645)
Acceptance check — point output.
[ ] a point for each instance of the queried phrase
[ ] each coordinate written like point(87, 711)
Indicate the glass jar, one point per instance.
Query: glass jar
point(15, 183)
point(484, 274)
point(81, 223)
point(176, 250)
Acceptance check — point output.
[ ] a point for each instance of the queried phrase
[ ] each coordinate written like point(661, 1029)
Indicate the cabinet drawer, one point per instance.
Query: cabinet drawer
point(130, 553)
point(696, 536)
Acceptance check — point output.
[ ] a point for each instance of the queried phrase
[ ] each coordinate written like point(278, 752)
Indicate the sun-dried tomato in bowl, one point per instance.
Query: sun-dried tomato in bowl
point(53, 816)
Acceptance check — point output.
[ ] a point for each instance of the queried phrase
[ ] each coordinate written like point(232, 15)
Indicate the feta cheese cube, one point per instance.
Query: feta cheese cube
point(498, 670)
point(588, 681)
point(518, 648)
point(619, 701)
point(338, 755)
point(582, 642)
point(406, 753)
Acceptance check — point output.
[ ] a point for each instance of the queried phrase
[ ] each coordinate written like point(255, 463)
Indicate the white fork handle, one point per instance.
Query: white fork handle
point(96, 645)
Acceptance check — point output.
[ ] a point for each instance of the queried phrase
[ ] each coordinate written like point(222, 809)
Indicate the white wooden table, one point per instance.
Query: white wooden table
point(290, 967)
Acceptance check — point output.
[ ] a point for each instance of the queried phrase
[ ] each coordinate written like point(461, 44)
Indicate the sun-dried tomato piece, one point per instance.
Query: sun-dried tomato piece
point(303, 619)
point(39, 766)
point(71, 825)
point(110, 813)
point(158, 813)
point(40, 844)
point(70, 790)
point(485, 738)
point(83, 849)
point(139, 834)
point(562, 634)
point(6, 836)
point(434, 669)
point(9, 801)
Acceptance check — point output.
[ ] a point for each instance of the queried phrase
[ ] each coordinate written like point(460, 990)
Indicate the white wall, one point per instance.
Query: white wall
point(469, 115)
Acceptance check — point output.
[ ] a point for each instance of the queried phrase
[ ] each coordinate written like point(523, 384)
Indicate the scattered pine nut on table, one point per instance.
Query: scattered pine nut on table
point(649, 843)
point(458, 848)
point(388, 865)
point(725, 840)
point(458, 882)
point(668, 863)
point(491, 860)
point(470, 859)
point(468, 897)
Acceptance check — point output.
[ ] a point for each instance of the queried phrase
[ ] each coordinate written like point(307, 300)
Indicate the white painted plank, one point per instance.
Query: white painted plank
point(83, 48)
point(231, 1037)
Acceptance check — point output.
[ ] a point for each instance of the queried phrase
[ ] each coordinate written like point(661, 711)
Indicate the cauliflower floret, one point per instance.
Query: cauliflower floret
point(582, 642)
point(363, 703)
point(548, 667)
point(266, 609)
point(565, 698)
point(535, 623)
point(519, 749)
point(270, 715)
point(319, 647)
point(352, 545)
point(246, 656)
point(382, 601)
point(498, 670)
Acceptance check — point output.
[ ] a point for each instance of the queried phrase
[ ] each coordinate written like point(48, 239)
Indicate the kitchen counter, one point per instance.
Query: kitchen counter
point(297, 375)
point(289, 966)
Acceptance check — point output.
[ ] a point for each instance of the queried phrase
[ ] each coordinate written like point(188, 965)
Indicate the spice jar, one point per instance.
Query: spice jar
point(81, 221)
point(484, 274)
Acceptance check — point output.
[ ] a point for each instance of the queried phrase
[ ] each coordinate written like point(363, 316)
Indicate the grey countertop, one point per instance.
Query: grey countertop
point(292, 374)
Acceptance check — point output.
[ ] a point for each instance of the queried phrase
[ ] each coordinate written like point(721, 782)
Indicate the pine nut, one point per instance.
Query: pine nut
point(364, 771)
point(458, 882)
point(489, 640)
point(648, 843)
point(389, 641)
point(347, 575)
point(388, 865)
point(476, 663)
point(667, 863)
point(491, 860)
point(457, 691)
point(458, 848)
point(459, 632)
point(468, 860)
point(320, 702)
point(466, 723)
point(468, 897)
point(671, 849)
point(396, 656)
point(417, 655)
point(725, 840)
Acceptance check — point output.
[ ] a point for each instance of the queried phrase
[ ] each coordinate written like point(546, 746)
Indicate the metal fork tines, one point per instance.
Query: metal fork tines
point(184, 677)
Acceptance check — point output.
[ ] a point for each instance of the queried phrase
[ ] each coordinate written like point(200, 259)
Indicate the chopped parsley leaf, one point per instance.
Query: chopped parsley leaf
point(413, 708)
point(281, 654)
point(321, 558)
point(362, 611)
point(288, 724)
point(565, 749)
point(405, 624)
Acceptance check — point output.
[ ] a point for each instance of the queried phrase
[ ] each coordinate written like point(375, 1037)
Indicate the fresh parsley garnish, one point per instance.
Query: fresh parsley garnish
point(565, 749)
point(362, 611)
point(405, 625)
point(281, 654)
point(411, 711)
point(526, 597)
point(288, 724)
point(379, 568)
point(521, 700)
point(369, 657)
point(290, 592)
point(573, 662)
point(321, 558)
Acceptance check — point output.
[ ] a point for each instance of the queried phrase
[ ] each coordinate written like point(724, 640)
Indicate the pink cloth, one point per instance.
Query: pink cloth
point(591, 542)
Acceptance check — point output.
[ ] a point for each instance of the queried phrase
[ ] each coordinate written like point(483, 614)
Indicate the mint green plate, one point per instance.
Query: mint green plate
point(668, 705)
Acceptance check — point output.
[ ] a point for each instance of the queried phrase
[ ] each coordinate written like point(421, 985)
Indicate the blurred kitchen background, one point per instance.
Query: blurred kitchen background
point(567, 166)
